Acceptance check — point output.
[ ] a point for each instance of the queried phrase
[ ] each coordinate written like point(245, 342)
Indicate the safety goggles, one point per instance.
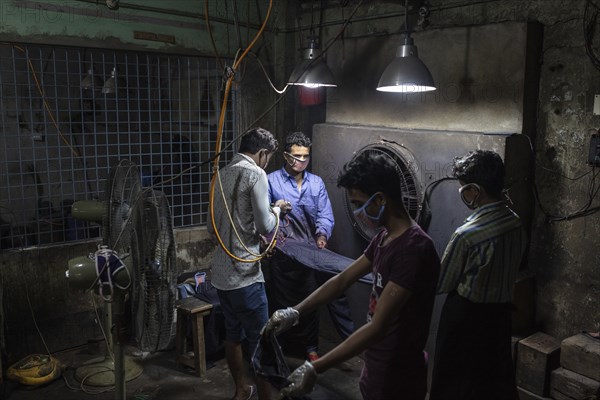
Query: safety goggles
point(468, 186)
point(301, 159)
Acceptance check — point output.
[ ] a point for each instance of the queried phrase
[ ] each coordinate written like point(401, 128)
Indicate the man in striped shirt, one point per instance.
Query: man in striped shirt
point(479, 268)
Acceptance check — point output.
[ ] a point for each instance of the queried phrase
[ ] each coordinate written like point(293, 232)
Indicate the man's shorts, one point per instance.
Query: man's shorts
point(246, 311)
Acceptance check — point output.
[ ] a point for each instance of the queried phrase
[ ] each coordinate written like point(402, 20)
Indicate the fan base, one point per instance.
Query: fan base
point(100, 371)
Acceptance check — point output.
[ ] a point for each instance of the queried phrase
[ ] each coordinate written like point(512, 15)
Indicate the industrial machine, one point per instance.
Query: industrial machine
point(424, 160)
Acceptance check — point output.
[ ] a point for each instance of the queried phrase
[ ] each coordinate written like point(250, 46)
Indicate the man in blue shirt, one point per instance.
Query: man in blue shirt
point(310, 220)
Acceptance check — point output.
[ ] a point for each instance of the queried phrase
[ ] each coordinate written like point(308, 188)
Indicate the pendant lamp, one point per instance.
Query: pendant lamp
point(91, 81)
point(110, 85)
point(312, 71)
point(407, 73)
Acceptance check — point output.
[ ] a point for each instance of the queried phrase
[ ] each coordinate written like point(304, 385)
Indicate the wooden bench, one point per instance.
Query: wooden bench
point(195, 309)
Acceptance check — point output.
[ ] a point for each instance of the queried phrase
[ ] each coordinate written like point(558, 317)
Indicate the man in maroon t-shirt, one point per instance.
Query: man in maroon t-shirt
point(405, 269)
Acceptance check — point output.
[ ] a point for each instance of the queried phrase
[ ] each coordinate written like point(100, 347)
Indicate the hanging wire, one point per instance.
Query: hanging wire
point(262, 67)
point(583, 211)
point(217, 154)
point(45, 101)
point(320, 54)
point(210, 34)
point(216, 175)
point(41, 335)
point(321, 12)
point(336, 37)
point(406, 17)
point(237, 24)
point(589, 29)
point(312, 18)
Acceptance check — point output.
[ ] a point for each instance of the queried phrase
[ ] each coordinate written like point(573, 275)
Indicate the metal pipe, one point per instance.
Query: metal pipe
point(388, 15)
point(169, 11)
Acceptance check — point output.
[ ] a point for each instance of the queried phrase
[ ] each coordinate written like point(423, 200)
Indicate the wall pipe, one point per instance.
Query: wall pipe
point(390, 15)
point(186, 14)
point(169, 11)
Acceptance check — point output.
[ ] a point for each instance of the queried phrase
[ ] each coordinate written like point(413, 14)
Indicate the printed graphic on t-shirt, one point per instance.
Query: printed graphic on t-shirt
point(374, 296)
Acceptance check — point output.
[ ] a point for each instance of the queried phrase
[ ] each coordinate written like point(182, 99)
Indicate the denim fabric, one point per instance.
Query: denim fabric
point(246, 312)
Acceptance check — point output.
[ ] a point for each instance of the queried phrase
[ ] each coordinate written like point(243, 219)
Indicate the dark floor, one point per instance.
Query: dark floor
point(163, 379)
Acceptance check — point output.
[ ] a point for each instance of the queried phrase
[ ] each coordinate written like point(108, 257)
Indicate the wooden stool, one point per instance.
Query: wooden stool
point(196, 309)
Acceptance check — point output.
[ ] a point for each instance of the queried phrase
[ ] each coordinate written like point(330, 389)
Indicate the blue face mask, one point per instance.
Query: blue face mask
point(363, 216)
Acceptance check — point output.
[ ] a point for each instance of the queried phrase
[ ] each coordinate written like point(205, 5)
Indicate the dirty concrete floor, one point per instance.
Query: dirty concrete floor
point(163, 379)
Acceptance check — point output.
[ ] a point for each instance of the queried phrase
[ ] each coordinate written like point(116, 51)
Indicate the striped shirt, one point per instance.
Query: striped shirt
point(246, 191)
point(482, 259)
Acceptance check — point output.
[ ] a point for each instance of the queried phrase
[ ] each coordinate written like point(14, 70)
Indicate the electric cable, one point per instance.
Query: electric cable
point(278, 91)
point(583, 211)
point(210, 35)
point(100, 324)
point(230, 76)
point(45, 101)
point(589, 29)
point(236, 23)
point(49, 111)
point(331, 41)
point(30, 306)
point(214, 159)
point(257, 119)
point(228, 212)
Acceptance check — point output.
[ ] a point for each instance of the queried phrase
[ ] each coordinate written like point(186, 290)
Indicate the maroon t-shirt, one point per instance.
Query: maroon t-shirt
point(411, 262)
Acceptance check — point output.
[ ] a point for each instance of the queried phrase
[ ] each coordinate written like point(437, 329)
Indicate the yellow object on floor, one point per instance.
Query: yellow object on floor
point(34, 370)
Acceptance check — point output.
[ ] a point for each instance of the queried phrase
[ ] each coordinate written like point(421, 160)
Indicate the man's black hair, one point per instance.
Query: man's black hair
point(298, 139)
point(372, 172)
point(257, 139)
point(483, 167)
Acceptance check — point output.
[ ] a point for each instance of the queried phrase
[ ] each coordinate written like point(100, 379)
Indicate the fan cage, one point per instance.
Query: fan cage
point(155, 305)
point(124, 193)
point(407, 167)
point(137, 225)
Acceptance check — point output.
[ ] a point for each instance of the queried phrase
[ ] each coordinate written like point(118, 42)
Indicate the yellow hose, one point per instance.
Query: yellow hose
point(218, 150)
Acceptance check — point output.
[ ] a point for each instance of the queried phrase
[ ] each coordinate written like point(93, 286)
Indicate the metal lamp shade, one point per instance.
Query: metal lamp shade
point(110, 84)
point(91, 81)
point(312, 72)
point(407, 73)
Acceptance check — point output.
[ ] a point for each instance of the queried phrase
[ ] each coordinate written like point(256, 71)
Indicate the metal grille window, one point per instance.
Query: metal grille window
point(69, 114)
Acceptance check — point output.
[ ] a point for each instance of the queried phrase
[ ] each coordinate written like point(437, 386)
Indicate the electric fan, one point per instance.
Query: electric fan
point(154, 299)
point(132, 272)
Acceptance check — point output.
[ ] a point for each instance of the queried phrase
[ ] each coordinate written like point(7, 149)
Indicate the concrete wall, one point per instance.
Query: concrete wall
point(481, 90)
point(176, 26)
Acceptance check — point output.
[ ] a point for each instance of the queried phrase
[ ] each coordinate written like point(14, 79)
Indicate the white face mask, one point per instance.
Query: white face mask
point(267, 157)
point(473, 203)
point(372, 222)
point(296, 163)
